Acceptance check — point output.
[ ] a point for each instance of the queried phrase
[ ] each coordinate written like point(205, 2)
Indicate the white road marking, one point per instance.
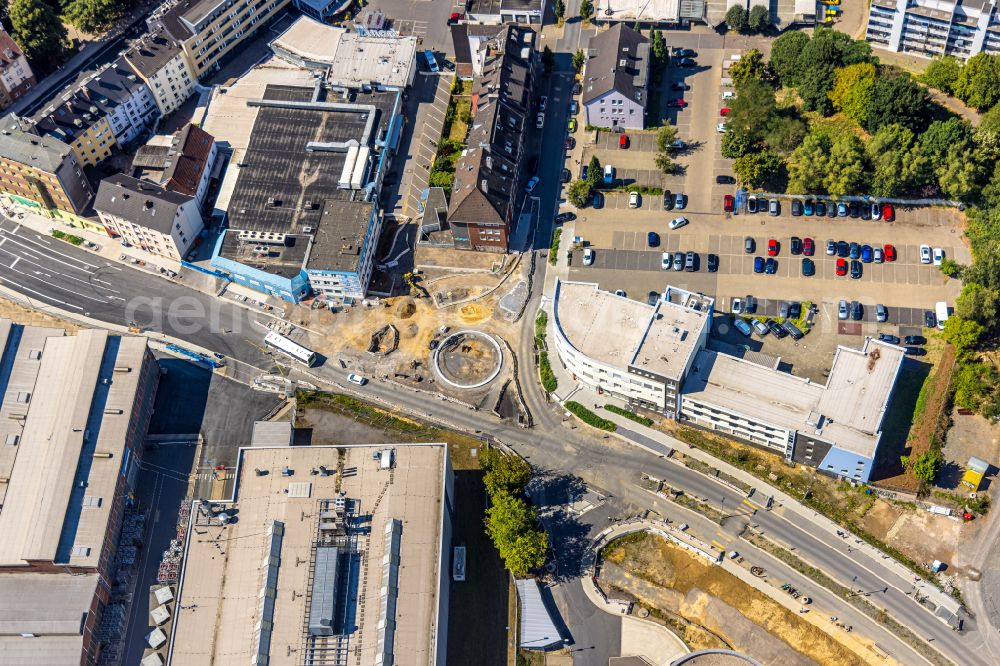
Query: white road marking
point(67, 276)
point(75, 293)
point(16, 259)
point(24, 290)
point(61, 254)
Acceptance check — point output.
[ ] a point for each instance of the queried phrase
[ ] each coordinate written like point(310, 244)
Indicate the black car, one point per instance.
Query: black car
point(749, 245)
point(583, 172)
point(577, 88)
point(762, 204)
point(915, 351)
point(853, 209)
point(784, 308)
point(713, 263)
point(808, 267)
point(685, 53)
point(725, 180)
point(668, 200)
point(680, 85)
point(533, 166)
point(749, 304)
point(796, 207)
point(891, 339)
point(820, 209)
point(776, 328)
point(796, 245)
point(856, 269)
point(792, 330)
point(930, 319)
point(686, 62)
point(866, 212)
point(652, 297)
point(843, 249)
point(565, 217)
point(794, 309)
point(771, 266)
point(831, 209)
point(566, 176)
point(857, 310)
point(915, 340)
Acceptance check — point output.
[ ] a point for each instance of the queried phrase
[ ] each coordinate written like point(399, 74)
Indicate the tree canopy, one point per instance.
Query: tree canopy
point(756, 168)
point(759, 18)
point(785, 52)
point(942, 73)
point(578, 192)
point(807, 165)
point(978, 84)
point(513, 527)
point(852, 90)
point(750, 67)
point(897, 98)
point(737, 18)
point(38, 30)
point(93, 15)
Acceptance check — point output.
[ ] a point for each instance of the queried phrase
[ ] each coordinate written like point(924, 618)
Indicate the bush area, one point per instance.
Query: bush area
point(511, 522)
point(545, 374)
point(69, 238)
point(554, 247)
point(589, 417)
point(453, 134)
point(615, 409)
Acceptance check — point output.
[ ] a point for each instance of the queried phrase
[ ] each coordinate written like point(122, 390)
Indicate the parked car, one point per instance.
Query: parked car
point(855, 250)
point(915, 340)
point(796, 245)
point(565, 176)
point(915, 351)
point(680, 201)
point(540, 121)
point(724, 111)
point(357, 379)
point(690, 261)
point(857, 310)
point(609, 174)
point(749, 245)
point(737, 306)
point(930, 319)
point(742, 326)
point(577, 88)
point(820, 209)
point(570, 143)
point(749, 304)
point(725, 180)
point(752, 203)
point(571, 125)
point(676, 103)
point(713, 263)
point(652, 297)
point(831, 247)
point(686, 62)
point(783, 309)
point(583, 171)
point(807, 207)
point(588, 257)
point(842, 209)
point(876, 211)
point(886, 337)
point(796, 208)
point(565, 217)
point(925, 254)
point(888, 213)
point(774, 207)
point(758, 264)
point(842, 312)
point(727, 203)
point(856, 269)
point(866, 211)
point(678, 261)
point(454, 18)
point(776, 328)
point(867, 256)
point(760, 327)
point(623, 142)
point(938, 256)
point(620, 292)
point(677, 223)
point(792, 330)
point(771, 266)
point(890, 252)
point(598, 201)
point(772, 248)
point(532, 182)
point(881, 313)
point(666, 260)
point(573, 107)
point(721, 128)
point(841, 267)
point(831, 209)
point(543, 102)
point(794, 309)
point(843, 249)
point(853, 210)
point(680, 85)
point(633, 200)
point(653, 239)
point(668, 200)
point(808, 267)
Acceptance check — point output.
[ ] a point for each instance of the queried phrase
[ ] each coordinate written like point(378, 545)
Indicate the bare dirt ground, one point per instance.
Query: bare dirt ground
point(669, 579)
point(927, 537)
point(970, 435)
point(22, 315)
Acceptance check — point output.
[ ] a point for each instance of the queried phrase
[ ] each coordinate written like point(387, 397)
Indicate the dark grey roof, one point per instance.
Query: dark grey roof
point(521, 5)
point(605, 71)
point(487, 174)
point(17, 145)
point(139, 201)
point(278, 176)
point(484, 7)
point(152, 52)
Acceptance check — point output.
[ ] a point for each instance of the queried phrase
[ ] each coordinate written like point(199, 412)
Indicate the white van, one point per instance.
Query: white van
point(941, 310)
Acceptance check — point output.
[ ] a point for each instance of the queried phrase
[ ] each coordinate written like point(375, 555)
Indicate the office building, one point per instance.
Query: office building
point(183, 162)
point(935, 28)
point(658, 359)
point(306, 564)
point(160, 62)
point(73, 416)
point(208, 31)
point(489, 176)
point(16, 77)
point(616, 79)
point(497, 12)
point(148, 216)
point(41, 173)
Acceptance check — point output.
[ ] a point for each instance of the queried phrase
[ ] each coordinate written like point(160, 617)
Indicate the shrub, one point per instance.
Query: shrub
point(554, 248)
point(589, 417)
point(615, 409)
point(548, 378)
point(69, 238)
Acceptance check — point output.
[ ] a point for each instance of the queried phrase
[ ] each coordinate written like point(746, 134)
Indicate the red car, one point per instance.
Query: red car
point(454, 18)
point(841, 267)
point(808, 247)
point(677, 103)
point(772, 248)
point(888, 214)
point(623, 141)
point(890, 251)
point(724, 112)
point(727, 203)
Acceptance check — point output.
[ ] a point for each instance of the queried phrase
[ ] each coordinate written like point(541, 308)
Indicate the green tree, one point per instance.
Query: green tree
point(959, 176)
point(814, 88)
point(594, 171)
point(752, 110)
point(897, 98)
point(665, 137)
point(898, 162)
point(586, 9)
point(548, 59)
point(785, 52)
point(950, 268)
point(987, 134)
point(504, 472)
point(808, 164)
point(666, 164)
point(513, 527)
point(737, 144)
point(579, 58)
point(785, 133)
point(847, 170)
point(578, 192)
point(38, 30)
point(927, 465)
point(852, 90)
point(833, 48)
point(759, 19)
point(978, 303)
point(92, 15)
point(737, 19)
point(941, 136)
point(978, 84)
point(659, 47)
point(750, 67)
point(985, 270)
point(757, 168)
point(962, 334)
point(942, 73)
point(560, 10)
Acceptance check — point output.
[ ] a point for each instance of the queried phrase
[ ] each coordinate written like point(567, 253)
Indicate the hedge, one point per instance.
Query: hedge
point(548, 377)
point(589, 417)
point(69, 238)
point(554, 249)
point(615, 409)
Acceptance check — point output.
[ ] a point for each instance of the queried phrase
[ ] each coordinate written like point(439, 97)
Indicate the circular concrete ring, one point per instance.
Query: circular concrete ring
point(472, 334)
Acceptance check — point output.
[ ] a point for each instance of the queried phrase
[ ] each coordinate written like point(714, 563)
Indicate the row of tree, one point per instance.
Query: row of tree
point(977, 82)
point(38, 25)
point(758, 19)
point(511, 522)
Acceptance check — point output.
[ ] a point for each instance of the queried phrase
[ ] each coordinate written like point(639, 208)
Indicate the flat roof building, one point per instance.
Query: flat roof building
point(935, 28)
point(75, 411)
point(658, 359)
point(306, 565)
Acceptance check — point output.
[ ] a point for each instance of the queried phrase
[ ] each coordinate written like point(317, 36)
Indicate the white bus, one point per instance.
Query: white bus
point(280, 343)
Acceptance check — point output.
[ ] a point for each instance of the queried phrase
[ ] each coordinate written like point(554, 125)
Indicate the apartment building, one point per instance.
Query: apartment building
point(488, 176)
point(659, 359)
point(41, 172)
point(16, 77)
point(76, 120)
point(148, 216)
point(616, 79)
point(122, 97)
point(160, 62)
point(209, 30)
point(935, 28)
point(181, 162)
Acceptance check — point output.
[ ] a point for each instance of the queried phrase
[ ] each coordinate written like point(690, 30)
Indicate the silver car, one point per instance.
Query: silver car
point(842, 310)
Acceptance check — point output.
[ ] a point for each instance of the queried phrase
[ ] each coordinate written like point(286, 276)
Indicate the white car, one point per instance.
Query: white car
point(633, 199)
point(677, 222)
point(721, 127)
point(925, 254)
point(737, 306)
point(666, 260)
point(532, 182)
point(728, 94)
point(842, 310)
point(938, 256)
point(357, 379)
point(588, 257)
point(540, 121)
point(879, 256)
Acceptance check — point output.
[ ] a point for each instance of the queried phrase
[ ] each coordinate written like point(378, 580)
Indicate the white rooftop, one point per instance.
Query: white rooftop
point(655, 11)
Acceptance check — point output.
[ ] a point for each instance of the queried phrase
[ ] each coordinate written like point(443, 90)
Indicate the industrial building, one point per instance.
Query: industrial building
point(323, 555)
point(935, 28)
point(658, 359)
point(73, 416)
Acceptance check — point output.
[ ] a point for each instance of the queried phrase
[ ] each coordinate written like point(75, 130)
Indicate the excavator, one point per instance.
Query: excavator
point(413, 281)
